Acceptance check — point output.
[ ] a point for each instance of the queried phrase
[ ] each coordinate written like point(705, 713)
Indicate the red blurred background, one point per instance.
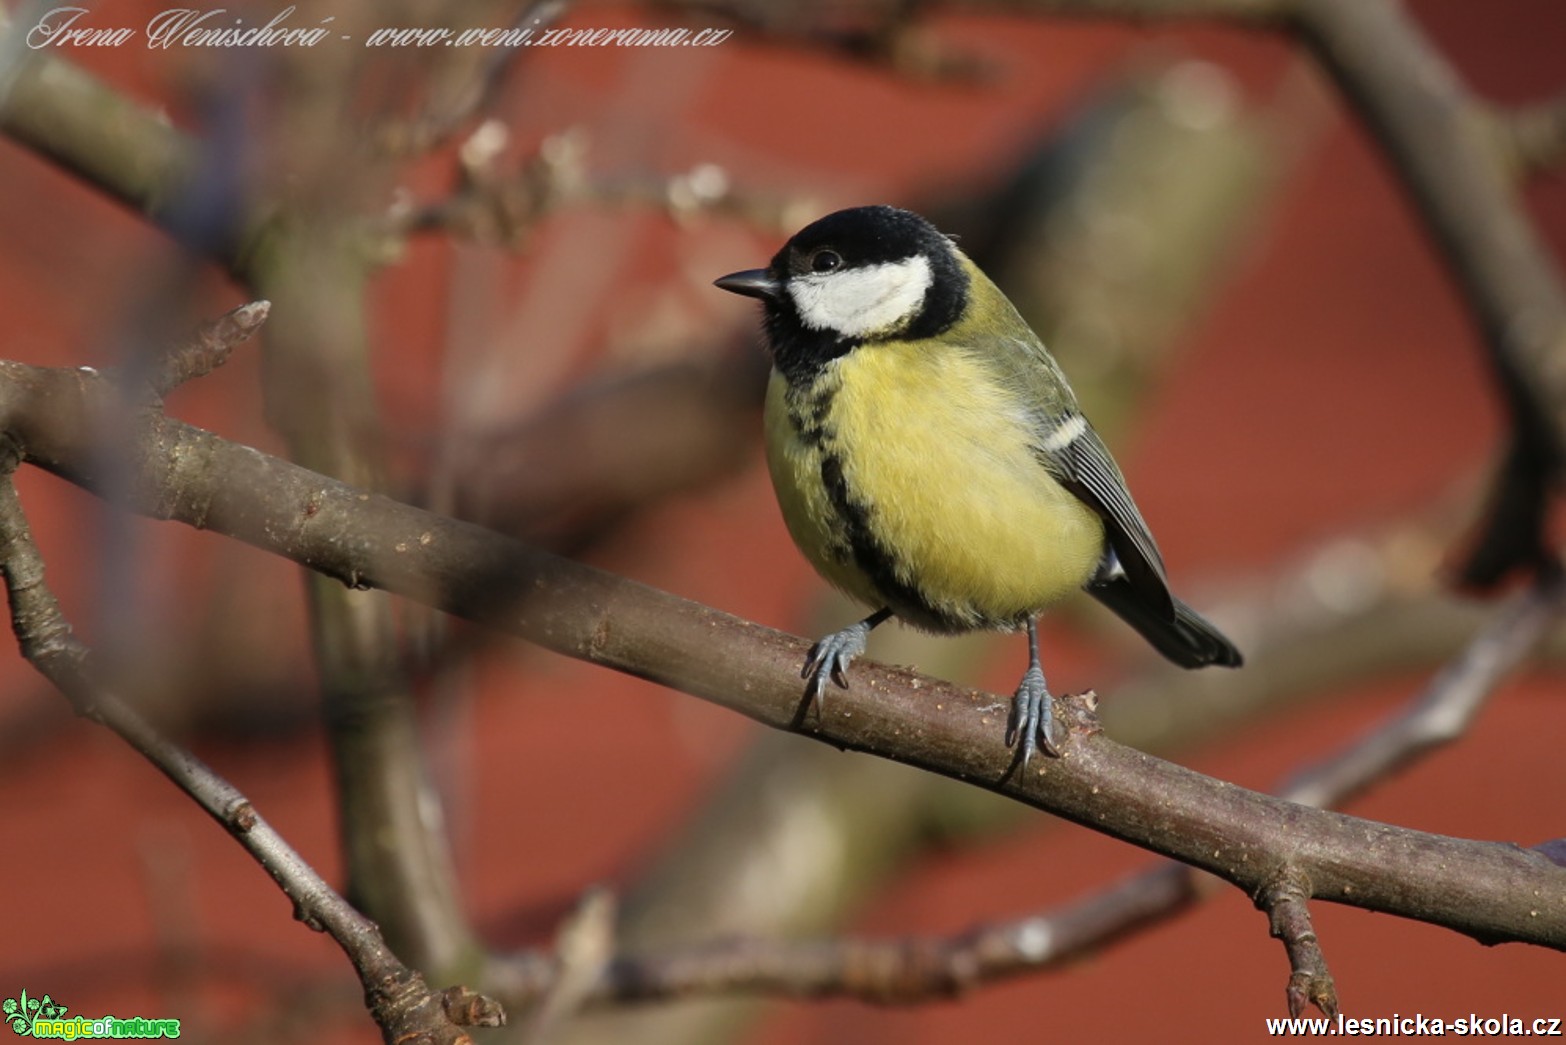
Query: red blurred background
point(1332, 382)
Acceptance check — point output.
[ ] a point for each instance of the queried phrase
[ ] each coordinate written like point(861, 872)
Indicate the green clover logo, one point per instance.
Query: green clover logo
point(22, 1013)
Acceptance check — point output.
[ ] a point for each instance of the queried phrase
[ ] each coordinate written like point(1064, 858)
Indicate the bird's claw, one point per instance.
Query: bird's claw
point(1033, 718)
point(829, 659)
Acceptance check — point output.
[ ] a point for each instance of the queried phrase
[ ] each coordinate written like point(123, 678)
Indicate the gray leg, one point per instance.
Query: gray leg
point(830, 657)
point(1033, 709)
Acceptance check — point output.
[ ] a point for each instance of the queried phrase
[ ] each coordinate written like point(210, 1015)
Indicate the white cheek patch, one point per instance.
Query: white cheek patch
point(856, 302)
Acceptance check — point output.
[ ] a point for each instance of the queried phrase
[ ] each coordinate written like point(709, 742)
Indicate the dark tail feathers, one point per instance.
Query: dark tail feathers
point(1188, 640)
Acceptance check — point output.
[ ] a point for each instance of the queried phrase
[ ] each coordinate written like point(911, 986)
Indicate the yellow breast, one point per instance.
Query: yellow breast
point(934, 456)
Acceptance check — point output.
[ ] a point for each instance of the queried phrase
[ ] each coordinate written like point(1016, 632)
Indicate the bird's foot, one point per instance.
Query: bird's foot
point(830, 658)
point(1033, 718)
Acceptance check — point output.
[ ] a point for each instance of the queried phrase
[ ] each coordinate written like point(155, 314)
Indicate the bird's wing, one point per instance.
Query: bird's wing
point(1084, 467)
point(1073, 453)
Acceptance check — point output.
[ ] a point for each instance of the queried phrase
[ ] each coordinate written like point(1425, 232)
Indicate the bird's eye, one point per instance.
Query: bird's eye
point(825, 261)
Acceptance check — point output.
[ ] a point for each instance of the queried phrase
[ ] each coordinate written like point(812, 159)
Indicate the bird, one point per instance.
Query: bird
point(931, 461)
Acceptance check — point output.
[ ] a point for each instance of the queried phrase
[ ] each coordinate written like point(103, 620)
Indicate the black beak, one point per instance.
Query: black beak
point(753, 283)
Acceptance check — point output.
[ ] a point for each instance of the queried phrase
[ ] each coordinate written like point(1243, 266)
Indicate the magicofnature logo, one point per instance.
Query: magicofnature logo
point(44, 1017)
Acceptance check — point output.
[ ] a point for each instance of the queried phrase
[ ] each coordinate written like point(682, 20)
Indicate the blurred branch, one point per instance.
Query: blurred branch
point(1447, 707)
point(900, 971)
point(396, 996)
point(69, 117)
point(123, 149)
point(495, 206)
point(583, 947)
point(568, 470)
point(474, 91)
point(1433, 131)
point(789, 842)
point(320, 396)
point(886, 35)
point(1494, 892)
point(1534, 137)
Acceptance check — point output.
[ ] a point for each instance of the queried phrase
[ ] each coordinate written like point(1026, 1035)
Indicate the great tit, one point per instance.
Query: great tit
point(930, 459)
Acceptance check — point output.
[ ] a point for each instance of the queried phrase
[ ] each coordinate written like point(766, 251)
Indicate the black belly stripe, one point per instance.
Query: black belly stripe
point(809, 414)
point(807, 410)
point(872, 557)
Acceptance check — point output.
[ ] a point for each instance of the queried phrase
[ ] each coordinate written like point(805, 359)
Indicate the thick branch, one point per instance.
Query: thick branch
point(913, 969)
point(1495, 892)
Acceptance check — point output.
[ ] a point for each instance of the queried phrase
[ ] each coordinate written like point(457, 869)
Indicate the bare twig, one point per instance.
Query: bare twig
point(396, 996)
point(128, 151)
point(1284, 901)
point(208, 347)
